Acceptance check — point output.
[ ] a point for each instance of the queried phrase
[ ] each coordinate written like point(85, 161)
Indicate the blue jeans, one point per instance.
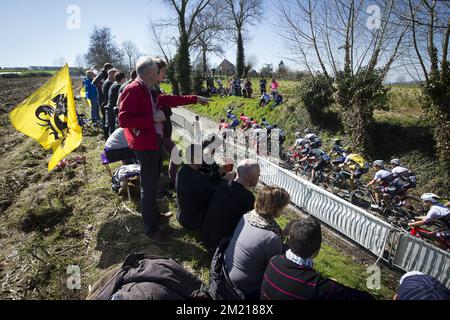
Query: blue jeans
point(95, 111)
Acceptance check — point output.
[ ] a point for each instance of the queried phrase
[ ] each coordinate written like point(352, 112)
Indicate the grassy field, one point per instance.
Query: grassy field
point(50, 221)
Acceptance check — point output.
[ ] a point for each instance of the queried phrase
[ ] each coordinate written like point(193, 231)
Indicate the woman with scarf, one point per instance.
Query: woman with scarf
point(255, 241)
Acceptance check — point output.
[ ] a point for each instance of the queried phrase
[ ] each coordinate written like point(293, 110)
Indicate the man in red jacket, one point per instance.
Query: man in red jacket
point(143, 121)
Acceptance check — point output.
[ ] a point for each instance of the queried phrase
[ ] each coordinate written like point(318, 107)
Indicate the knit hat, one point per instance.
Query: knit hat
point(418, 286)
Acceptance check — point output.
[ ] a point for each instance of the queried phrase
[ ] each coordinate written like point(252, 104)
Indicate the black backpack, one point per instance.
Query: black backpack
point(220, 286)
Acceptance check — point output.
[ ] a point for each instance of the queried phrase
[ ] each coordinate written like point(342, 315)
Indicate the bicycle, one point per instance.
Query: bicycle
point(429, 236)
point(89, 127)
point(337, 181)
point(397, 210)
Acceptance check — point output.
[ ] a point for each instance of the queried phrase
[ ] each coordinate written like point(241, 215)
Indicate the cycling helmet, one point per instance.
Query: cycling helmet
point(229, 111)
point(298, 135)
point(307, 131)
point(275, 125)
point(263, 119)
point(396, 162)
point(429, 197)
point(378, 163)
point(337, 142)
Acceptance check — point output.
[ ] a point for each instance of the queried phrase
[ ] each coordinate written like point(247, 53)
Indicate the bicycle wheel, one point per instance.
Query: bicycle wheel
point(413, 207)
point(334, 183)
point(401, 218)
point(361, 199)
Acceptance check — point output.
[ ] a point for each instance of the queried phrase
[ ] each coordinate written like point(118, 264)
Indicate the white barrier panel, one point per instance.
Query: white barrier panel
point(413, 254)
point(352, 221)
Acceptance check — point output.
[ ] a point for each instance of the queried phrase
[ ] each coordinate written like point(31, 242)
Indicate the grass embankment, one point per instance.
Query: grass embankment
point(50, 221)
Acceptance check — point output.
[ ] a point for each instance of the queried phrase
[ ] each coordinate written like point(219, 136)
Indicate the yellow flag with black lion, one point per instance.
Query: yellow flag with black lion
point(49, 117)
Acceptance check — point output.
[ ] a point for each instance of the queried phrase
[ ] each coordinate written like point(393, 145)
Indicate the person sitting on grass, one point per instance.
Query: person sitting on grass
point(229, 203)
point(292, 276)
point(255, 241)
point(194, 191)
point(117, 149)
point(277, 101)
point(264, 100)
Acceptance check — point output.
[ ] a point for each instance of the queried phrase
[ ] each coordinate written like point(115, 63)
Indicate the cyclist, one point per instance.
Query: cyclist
point(266, 124)
point(357, 166)
point(386, 183)
point(281, 134)
point(437, 212)
point(403, 175)
point(300, 143)
point(235, 121)
point(321, 159)
point(339, 150)
point(223, 126)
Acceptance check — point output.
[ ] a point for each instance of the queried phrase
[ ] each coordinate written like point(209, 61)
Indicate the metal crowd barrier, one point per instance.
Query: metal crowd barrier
point(407, 253)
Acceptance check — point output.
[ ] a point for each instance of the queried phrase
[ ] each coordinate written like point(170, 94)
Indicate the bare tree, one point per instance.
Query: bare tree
point(209, 29)
point(240, 14)
point(103, 48)
point(187, 12)
point(131, 52)
point(60, 61)
point(429, 26)
point(80, 61)
point(352, 41)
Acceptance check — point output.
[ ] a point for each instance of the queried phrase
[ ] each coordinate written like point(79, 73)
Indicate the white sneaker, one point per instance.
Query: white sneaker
point(375, 206)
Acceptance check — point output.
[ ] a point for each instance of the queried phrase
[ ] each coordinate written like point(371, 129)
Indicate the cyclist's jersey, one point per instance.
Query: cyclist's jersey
point(404, 173)
point(339, 150)
point(244, 119)
point(231, 116)
point(356, 162)
point(319, 155)
point(224, 126)
point(438, 212)
point(311, 137)
point(267, 125)
point(384, 176)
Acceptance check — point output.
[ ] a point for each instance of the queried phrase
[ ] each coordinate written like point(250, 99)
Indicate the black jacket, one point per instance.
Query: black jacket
point(143, 277)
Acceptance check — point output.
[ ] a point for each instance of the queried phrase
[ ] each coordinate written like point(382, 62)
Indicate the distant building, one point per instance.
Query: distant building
point(253, 73)
point(226, 68)
point(43, 68)
point(14, 68)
